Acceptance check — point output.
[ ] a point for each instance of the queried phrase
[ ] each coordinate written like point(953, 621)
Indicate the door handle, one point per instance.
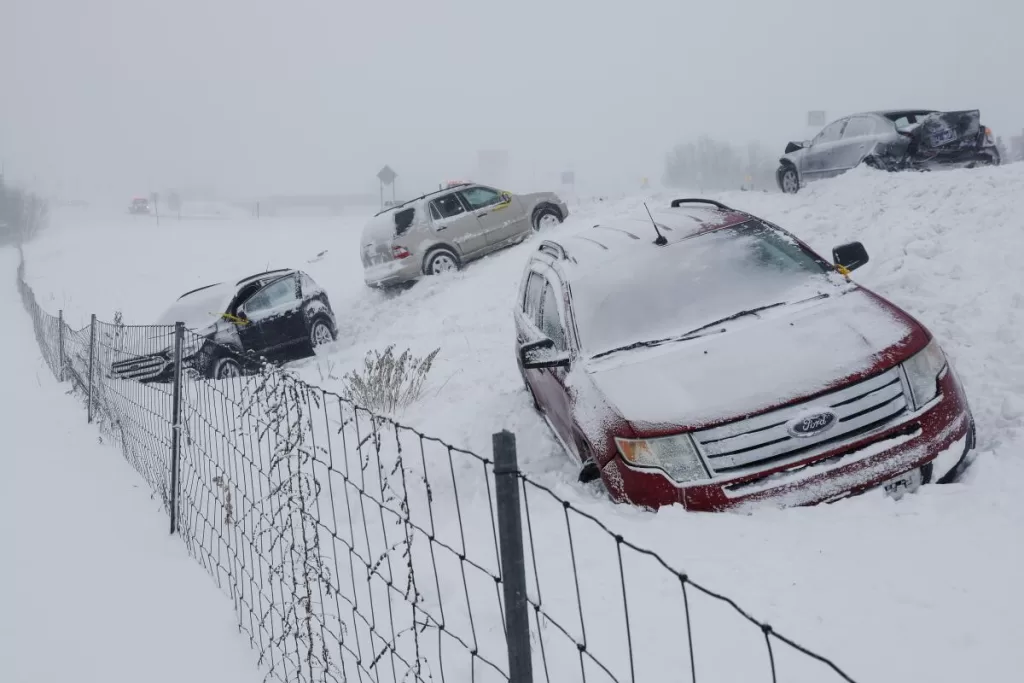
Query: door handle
point(443, 227)
point(481, 215)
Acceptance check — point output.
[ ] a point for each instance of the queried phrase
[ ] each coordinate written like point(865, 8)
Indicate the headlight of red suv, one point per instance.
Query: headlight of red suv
point(676, 456)
point(923, 370)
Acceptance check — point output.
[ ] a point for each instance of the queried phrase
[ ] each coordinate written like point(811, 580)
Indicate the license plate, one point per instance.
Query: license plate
point(942, 136)
point(908, 482)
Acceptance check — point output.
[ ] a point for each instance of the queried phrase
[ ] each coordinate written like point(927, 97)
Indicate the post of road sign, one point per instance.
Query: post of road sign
point(387, 177)
point(569, 178)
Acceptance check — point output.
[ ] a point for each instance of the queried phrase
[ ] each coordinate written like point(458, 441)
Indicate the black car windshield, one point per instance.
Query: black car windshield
point(662, 292)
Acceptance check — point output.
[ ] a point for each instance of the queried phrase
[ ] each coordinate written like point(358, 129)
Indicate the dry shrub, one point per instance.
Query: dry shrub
point(387, 383)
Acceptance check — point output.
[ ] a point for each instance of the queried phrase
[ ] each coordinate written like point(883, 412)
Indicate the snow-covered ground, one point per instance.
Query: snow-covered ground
point(92, 587)
point(919, 589)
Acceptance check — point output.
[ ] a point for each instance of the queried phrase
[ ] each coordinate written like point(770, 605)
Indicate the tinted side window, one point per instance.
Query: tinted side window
point(479, 197)
point(281, 293)
point(550, 322)
point(447, 206)
point(403, 219)
point(831, 132)
point(531, 302)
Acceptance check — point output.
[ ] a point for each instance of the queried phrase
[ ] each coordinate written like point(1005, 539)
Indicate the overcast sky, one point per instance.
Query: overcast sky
point(258, 96)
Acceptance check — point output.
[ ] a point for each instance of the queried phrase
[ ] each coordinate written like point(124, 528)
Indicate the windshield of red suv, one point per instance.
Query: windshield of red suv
point(656, 293)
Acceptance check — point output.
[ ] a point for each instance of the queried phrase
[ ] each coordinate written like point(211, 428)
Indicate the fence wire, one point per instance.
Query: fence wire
point(357, 549)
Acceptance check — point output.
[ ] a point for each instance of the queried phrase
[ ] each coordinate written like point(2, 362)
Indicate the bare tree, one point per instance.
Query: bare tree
point(22, 214)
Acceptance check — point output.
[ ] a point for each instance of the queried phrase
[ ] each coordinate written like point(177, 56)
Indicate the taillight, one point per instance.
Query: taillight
point(400, 252)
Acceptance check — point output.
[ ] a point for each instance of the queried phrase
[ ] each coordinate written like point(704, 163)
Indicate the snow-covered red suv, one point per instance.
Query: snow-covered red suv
point(704, 356)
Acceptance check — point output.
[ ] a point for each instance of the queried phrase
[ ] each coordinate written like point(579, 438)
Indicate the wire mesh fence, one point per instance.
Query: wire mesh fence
point(358, 549)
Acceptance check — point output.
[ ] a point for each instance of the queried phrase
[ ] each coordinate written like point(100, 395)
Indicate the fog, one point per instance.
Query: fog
point(108, 98)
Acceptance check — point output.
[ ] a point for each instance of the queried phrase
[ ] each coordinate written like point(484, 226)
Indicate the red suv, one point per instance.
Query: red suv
point(701, 355)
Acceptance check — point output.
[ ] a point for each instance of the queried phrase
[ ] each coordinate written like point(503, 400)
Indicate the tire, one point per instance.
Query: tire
point(321, 332)
point(789, 180)
point(225, 367)
point(545, 218)
point(441, 261)
point(874, 162)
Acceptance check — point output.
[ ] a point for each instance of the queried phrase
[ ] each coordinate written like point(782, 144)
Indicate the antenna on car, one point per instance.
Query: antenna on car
point(661, 241)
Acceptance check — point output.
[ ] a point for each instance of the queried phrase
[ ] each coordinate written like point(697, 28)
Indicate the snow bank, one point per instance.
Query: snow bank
point(869, 582)
point(93, 587)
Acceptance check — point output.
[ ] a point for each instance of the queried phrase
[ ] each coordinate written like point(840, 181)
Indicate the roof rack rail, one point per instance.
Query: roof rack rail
point(266, 272)
point(422, 196)
point(553, 248)
point(676, 203)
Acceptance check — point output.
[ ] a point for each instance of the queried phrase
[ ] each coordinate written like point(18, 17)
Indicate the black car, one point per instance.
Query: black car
point(913, 139)
point(278, 315)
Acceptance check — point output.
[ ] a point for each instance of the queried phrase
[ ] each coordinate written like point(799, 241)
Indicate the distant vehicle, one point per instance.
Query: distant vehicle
point(443, 231)
point(728, 363)
point(279, 315)
point(139, 205)
point(915, 139)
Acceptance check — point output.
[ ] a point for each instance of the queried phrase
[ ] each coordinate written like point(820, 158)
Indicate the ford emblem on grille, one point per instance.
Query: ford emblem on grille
point(811, 423)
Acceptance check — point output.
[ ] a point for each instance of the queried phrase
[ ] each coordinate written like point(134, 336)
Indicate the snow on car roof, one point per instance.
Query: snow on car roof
point(592, 247)
point(256, 276)
point(200, 307)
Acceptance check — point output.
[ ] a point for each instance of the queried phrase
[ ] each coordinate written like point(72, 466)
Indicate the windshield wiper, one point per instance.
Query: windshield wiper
point(703, 329)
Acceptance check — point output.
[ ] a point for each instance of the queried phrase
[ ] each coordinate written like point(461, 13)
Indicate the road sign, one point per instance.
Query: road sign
point(815, 118)
point(386, 175)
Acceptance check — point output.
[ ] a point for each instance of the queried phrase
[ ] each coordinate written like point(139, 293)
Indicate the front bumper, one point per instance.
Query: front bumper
point(152, 368)
point(935, 438)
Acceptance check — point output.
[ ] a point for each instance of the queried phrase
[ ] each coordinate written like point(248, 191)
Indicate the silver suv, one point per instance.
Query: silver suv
point(444, 230)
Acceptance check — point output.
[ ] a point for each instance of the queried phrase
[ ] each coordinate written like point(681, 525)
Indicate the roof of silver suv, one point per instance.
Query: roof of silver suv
point(396, 207)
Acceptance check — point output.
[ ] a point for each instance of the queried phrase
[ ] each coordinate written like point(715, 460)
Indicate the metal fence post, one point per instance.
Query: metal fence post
point(513, 563)
point(179, 334)
point(92, 355)
point(60, 344)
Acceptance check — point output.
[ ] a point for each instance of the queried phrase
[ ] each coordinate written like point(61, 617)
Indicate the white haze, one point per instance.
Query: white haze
point(250, 97)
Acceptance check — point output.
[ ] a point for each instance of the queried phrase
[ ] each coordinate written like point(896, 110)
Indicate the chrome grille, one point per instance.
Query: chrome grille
point(762, 439)
point(143, 367)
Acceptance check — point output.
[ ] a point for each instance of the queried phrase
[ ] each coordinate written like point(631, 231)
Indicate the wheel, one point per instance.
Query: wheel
point(546, 218)
point(874, 162)
point(993, 158)
point(225, 367)
point(789, 181)
point(320, 333)
point(589, 471)
point(441, 261)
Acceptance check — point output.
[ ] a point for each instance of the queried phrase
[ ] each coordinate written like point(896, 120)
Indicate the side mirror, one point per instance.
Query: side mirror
point(541, 354)
point(850, 256)
point(506, 197)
